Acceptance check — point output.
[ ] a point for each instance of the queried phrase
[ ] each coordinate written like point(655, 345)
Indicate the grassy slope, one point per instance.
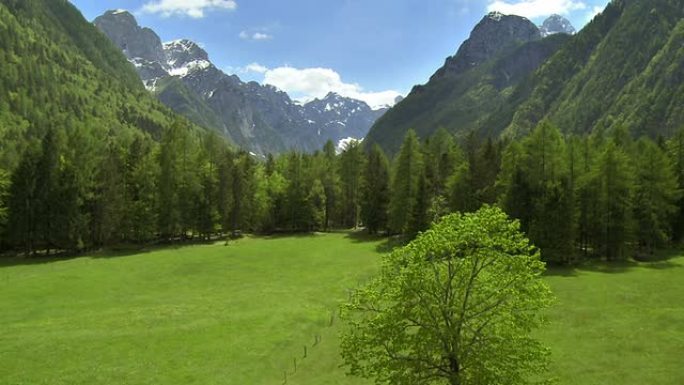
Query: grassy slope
point(240, 314)
point(195, 315)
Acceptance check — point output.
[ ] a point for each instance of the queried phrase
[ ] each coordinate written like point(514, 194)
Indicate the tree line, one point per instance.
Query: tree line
point(599, 195)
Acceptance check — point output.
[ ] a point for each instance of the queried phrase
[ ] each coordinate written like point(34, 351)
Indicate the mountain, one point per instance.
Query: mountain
point(257, 117)
point(500, 54)
point(492, 35)
point(60, 74)
point(625, 69)
point(556, 24)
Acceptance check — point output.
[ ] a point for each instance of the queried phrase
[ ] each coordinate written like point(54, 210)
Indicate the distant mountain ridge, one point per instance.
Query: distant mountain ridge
point(624, 70)
point(257, 117)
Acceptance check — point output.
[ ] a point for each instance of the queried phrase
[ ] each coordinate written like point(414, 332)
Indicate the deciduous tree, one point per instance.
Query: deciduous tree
point(455, 306)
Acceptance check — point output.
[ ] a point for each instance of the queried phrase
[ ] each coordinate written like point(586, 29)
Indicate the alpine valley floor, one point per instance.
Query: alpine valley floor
point(242, 314)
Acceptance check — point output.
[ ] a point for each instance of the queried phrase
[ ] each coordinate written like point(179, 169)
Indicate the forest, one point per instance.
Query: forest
point(576, 197)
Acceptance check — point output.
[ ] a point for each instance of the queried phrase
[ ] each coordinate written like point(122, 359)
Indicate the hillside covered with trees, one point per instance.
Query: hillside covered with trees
point(622, 70)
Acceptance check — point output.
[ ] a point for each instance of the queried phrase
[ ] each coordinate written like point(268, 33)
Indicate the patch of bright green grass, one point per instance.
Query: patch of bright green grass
point(240, 314)
point(611, 325)
point(211, 314)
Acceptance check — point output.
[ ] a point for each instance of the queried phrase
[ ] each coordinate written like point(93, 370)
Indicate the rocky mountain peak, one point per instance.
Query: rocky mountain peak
point(122, 28)
point(556, 24)
point(180, 53)
point(490, 36)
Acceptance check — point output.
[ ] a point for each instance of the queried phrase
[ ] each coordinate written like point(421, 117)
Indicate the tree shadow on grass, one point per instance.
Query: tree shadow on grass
point(659, 261)
point(110, 252)
point(608, 267)
point(387, 244)
point(560, 271)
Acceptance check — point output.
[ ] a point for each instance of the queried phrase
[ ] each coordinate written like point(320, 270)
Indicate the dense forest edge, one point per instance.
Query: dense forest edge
point(90, 160)
point(604, 195)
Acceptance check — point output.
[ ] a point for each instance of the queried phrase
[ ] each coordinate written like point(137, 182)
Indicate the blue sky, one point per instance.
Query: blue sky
point(369, 49)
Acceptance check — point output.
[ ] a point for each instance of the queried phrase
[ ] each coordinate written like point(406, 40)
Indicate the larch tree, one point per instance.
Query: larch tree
point(376, 191)
point(351, 167)
point(656, 194)
point(405, 181)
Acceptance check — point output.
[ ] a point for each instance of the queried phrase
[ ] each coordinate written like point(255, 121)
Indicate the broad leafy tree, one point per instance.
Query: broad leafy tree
point(456, 306)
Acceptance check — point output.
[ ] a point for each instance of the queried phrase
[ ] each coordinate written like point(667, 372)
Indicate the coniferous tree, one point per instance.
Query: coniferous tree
point(516, 193)
point(420, 217)
point(48, 175)
point(611, 185)
point(405, 183)
point(207, 203)
point(376, 191)
point(169, 183)
point(351, 168)
point(656, 193)
point(298, 212)
point(551, 224)
point(331, 183)
point(226, 174)
point(4, 195)
point(23, 203)
point(675, 150)
point(142, 174)
point(111, 190)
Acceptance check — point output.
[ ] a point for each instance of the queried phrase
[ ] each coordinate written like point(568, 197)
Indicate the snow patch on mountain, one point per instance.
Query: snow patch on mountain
point(188, 68)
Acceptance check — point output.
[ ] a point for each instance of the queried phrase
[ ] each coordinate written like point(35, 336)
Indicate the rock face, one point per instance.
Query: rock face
point(556, 24)
point(136, 42)
point(492, 35)
point(257, 117)
point(339, 117)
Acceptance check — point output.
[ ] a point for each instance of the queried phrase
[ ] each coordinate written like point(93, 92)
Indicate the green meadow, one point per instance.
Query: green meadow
point(243, 313)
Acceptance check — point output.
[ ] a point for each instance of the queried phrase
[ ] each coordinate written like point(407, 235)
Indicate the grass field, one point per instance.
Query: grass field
point(240, 314)
point(210, 314)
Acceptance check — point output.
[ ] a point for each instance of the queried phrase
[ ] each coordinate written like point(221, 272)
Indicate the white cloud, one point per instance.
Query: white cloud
point(245, 35)
point(192, 8)
point(307, 84)
point(535, 8)
point(256, 68)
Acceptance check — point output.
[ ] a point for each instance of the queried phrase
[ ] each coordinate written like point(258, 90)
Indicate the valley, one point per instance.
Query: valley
point(241, 313)
point(517, 218)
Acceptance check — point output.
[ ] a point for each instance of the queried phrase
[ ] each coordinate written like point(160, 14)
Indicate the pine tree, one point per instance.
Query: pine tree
point(375, 195)
point(404, 192)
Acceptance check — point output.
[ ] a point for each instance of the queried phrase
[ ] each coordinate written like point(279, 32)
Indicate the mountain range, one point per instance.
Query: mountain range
point(624, 70)
point(256, 117)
